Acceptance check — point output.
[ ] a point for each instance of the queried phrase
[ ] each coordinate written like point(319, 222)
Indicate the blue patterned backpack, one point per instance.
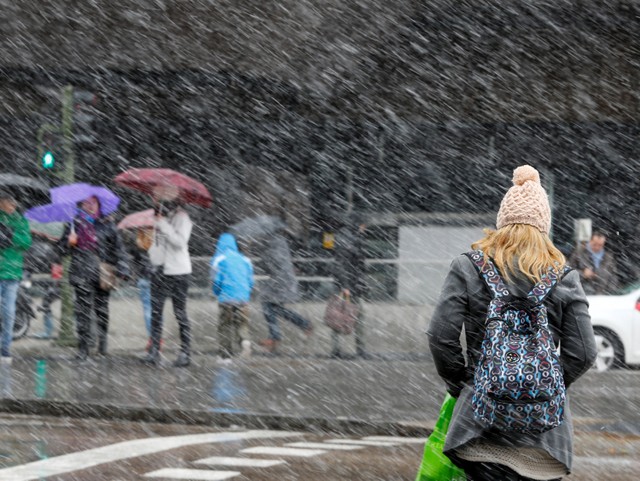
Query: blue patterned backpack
point(518, 383)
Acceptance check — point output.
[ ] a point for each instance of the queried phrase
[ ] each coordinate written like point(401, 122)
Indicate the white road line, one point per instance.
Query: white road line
point(361, 442)
point(192, 474)
point(396, 439)
point(578, 460)
point(336, 447)
point(241, 462)
point(275, 451)
point(384, 444)
point(125, 450)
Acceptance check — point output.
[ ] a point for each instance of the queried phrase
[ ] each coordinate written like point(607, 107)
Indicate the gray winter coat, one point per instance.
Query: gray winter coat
point(282, 285)
point(463, 302)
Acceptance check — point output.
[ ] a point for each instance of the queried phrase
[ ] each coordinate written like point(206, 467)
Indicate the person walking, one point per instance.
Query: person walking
point(15, 239)
point(349, 272)
point(92, 239)
point(281, 288)
point(596, 265)
point(169, 254)
point(515, 257)
point(232, 276)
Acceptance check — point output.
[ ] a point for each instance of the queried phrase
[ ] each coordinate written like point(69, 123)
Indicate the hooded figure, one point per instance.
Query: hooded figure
point(232, 277)
point(281, 288)
point(522, 253)
point(231, 272)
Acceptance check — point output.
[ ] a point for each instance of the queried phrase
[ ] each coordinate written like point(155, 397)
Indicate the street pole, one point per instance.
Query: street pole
point(66, 336)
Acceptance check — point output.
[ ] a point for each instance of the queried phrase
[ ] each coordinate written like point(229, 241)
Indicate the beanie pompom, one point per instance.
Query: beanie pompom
point(524, 174)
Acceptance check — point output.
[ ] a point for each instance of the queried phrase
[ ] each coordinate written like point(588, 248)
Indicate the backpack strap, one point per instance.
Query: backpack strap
point(549, 281)
point(489, 273)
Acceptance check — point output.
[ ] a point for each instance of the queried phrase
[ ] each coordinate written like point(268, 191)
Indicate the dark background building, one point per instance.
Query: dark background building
point(308, 109)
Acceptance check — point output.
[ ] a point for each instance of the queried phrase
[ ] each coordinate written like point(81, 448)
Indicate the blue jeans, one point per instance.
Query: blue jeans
point(8, 297)
point(144, 291)
point(272, 311)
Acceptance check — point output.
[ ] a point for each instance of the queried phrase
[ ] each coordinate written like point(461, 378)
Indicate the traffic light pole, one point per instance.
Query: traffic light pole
point(66, 335)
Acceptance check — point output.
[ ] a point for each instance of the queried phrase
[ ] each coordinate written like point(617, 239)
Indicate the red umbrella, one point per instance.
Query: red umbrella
point(166, 184)
point(138, 220)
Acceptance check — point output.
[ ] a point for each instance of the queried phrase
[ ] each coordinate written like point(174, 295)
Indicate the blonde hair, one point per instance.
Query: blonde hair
point(534, 251)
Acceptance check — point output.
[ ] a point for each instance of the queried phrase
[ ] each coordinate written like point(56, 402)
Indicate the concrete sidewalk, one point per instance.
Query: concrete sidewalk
point(397, 391)
point(391, 329)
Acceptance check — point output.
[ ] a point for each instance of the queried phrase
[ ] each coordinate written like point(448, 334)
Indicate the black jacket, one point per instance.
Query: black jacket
point(85, 265)
point(349, 256)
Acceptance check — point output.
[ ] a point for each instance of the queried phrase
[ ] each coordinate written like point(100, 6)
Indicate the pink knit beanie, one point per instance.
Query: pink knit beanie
point(526, 202)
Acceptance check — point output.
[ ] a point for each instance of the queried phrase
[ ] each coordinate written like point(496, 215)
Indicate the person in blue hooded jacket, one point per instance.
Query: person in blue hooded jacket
point(232, 276)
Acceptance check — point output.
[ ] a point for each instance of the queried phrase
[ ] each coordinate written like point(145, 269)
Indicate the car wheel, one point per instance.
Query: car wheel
point(21, 323)
point(610, 352)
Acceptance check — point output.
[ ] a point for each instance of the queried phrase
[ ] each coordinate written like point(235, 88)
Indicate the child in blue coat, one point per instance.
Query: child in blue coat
point(232, 276)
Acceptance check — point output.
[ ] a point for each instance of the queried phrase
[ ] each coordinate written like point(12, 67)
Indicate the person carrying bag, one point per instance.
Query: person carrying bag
point(515, 287)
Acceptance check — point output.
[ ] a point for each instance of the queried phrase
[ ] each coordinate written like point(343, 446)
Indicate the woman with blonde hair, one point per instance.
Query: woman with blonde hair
point(514, 261)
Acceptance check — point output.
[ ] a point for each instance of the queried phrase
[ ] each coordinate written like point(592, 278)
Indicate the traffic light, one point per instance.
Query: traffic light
point(48, 160)
point(49, 147)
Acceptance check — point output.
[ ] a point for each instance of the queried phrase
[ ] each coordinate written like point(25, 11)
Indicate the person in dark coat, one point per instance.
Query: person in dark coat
point(91, 239)
point(596, 265)
point(349, 276)
point(281, 288)
point(522, 252)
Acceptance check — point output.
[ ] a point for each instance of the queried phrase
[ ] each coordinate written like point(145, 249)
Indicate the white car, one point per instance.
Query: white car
point(616, 324)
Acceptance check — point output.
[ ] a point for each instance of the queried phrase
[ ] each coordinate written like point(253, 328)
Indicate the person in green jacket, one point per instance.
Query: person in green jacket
point(15, 238)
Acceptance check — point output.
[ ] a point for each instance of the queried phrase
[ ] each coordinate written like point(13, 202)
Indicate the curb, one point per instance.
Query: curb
point(214, 418)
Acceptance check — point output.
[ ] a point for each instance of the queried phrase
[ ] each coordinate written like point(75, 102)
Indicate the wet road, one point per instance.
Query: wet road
point(375, 391)
point(63, 449)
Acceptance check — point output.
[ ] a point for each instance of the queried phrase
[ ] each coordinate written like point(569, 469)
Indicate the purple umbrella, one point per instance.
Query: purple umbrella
point(52, 213)
point(74, 193)
point(65, 203)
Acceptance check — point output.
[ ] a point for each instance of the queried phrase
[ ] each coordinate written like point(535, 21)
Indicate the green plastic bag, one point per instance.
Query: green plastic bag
point(435, 465)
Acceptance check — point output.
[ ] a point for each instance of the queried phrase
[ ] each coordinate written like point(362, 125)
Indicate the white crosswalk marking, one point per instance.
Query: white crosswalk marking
point(274, 451)
point(192, 474)
point(241, 462)
point(396, 439)
point(126, 450)
point(612, 461)
point(361, 442)
point(336, 447)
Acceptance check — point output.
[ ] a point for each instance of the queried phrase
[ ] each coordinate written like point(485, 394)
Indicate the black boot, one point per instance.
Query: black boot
point(152, 358)
point(183, 360)
point(83, 351)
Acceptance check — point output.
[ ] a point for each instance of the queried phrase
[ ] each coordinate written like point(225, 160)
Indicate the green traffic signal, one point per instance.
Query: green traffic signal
point(48, 160)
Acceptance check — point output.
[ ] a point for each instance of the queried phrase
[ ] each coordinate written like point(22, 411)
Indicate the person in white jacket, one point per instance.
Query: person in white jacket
point(169, 255)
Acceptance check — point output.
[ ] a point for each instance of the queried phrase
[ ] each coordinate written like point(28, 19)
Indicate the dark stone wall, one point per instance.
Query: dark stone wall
point(571, 60)
point(418, 106)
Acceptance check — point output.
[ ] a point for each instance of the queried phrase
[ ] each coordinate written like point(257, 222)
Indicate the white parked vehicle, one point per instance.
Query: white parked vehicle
point(616, 324)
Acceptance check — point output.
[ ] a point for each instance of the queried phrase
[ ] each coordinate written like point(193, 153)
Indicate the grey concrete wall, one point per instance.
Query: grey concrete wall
point(424, 256)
